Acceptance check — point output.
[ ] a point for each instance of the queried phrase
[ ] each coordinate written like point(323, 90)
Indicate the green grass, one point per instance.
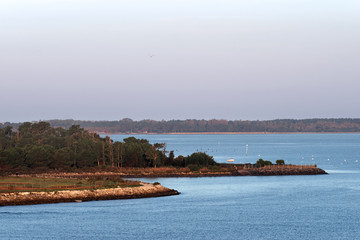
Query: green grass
point(34, 184)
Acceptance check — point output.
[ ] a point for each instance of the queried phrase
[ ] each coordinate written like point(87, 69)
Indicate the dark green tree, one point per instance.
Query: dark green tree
point(280, 162)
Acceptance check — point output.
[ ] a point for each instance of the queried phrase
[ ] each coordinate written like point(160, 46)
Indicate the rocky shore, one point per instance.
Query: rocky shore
point(237, 172)
point(227, 170)
point(146, 190)
point(281, 171)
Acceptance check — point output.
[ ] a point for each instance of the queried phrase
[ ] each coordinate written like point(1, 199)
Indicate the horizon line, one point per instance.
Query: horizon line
point(188, 119)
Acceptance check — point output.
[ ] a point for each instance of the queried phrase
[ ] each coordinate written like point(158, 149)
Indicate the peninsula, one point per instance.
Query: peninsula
point(81, 165)
point(85, 186)
point(24, 190)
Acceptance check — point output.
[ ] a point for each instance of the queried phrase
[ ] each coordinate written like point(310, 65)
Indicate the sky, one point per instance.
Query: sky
point(179, 59)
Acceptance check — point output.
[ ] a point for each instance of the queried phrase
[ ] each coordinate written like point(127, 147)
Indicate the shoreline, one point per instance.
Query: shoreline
point(228, 170)
point(146, 190)
point(237, 172)
point(223, 133)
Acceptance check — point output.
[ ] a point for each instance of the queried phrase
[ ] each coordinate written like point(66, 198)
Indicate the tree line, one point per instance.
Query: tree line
point(40, 146)
point(191, 125)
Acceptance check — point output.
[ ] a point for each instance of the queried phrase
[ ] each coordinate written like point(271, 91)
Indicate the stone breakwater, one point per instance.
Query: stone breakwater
point(280, 171)
point(233, 170)
point(146, 190)
point(228, 170)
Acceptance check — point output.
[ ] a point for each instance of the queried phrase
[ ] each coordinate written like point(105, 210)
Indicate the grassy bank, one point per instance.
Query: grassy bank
point(194, 171)
point(50, 184)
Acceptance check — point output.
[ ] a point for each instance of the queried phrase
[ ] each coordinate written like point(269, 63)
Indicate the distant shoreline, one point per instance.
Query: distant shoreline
point(211, 126)
point(224, 133)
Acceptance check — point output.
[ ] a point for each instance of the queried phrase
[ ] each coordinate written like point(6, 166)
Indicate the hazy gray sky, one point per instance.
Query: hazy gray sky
point(179, 59)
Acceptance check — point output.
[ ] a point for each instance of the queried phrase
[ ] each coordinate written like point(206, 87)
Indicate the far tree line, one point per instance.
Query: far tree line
point(127, 125)
point(40, 146)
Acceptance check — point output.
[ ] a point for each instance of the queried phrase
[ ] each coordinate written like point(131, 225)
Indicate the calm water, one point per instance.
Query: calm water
point(278, 207)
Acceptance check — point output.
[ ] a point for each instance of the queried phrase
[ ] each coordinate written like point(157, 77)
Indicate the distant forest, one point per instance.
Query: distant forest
point(202, 126)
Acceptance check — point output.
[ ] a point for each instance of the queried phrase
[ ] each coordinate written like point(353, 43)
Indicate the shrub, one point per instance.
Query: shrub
point(261, 163)
point(280, 162)
point(194, 168)
point(201, 159)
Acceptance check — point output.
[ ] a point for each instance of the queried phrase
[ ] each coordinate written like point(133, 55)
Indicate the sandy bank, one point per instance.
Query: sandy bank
point(26, 198)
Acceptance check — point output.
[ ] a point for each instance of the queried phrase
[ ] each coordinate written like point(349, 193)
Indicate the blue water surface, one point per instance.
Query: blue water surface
point(330, 151)
point(275, 207)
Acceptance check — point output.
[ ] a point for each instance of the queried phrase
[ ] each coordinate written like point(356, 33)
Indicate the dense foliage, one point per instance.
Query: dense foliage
point(285, 125)
point(280, 162)
point(38, 145)
point(262, 163)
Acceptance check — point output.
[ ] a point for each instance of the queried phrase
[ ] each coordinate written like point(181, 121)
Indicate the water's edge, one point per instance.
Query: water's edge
point(147, 190)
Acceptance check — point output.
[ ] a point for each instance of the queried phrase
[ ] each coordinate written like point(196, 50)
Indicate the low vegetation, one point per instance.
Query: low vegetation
point(262, 163)
point(38, 184)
